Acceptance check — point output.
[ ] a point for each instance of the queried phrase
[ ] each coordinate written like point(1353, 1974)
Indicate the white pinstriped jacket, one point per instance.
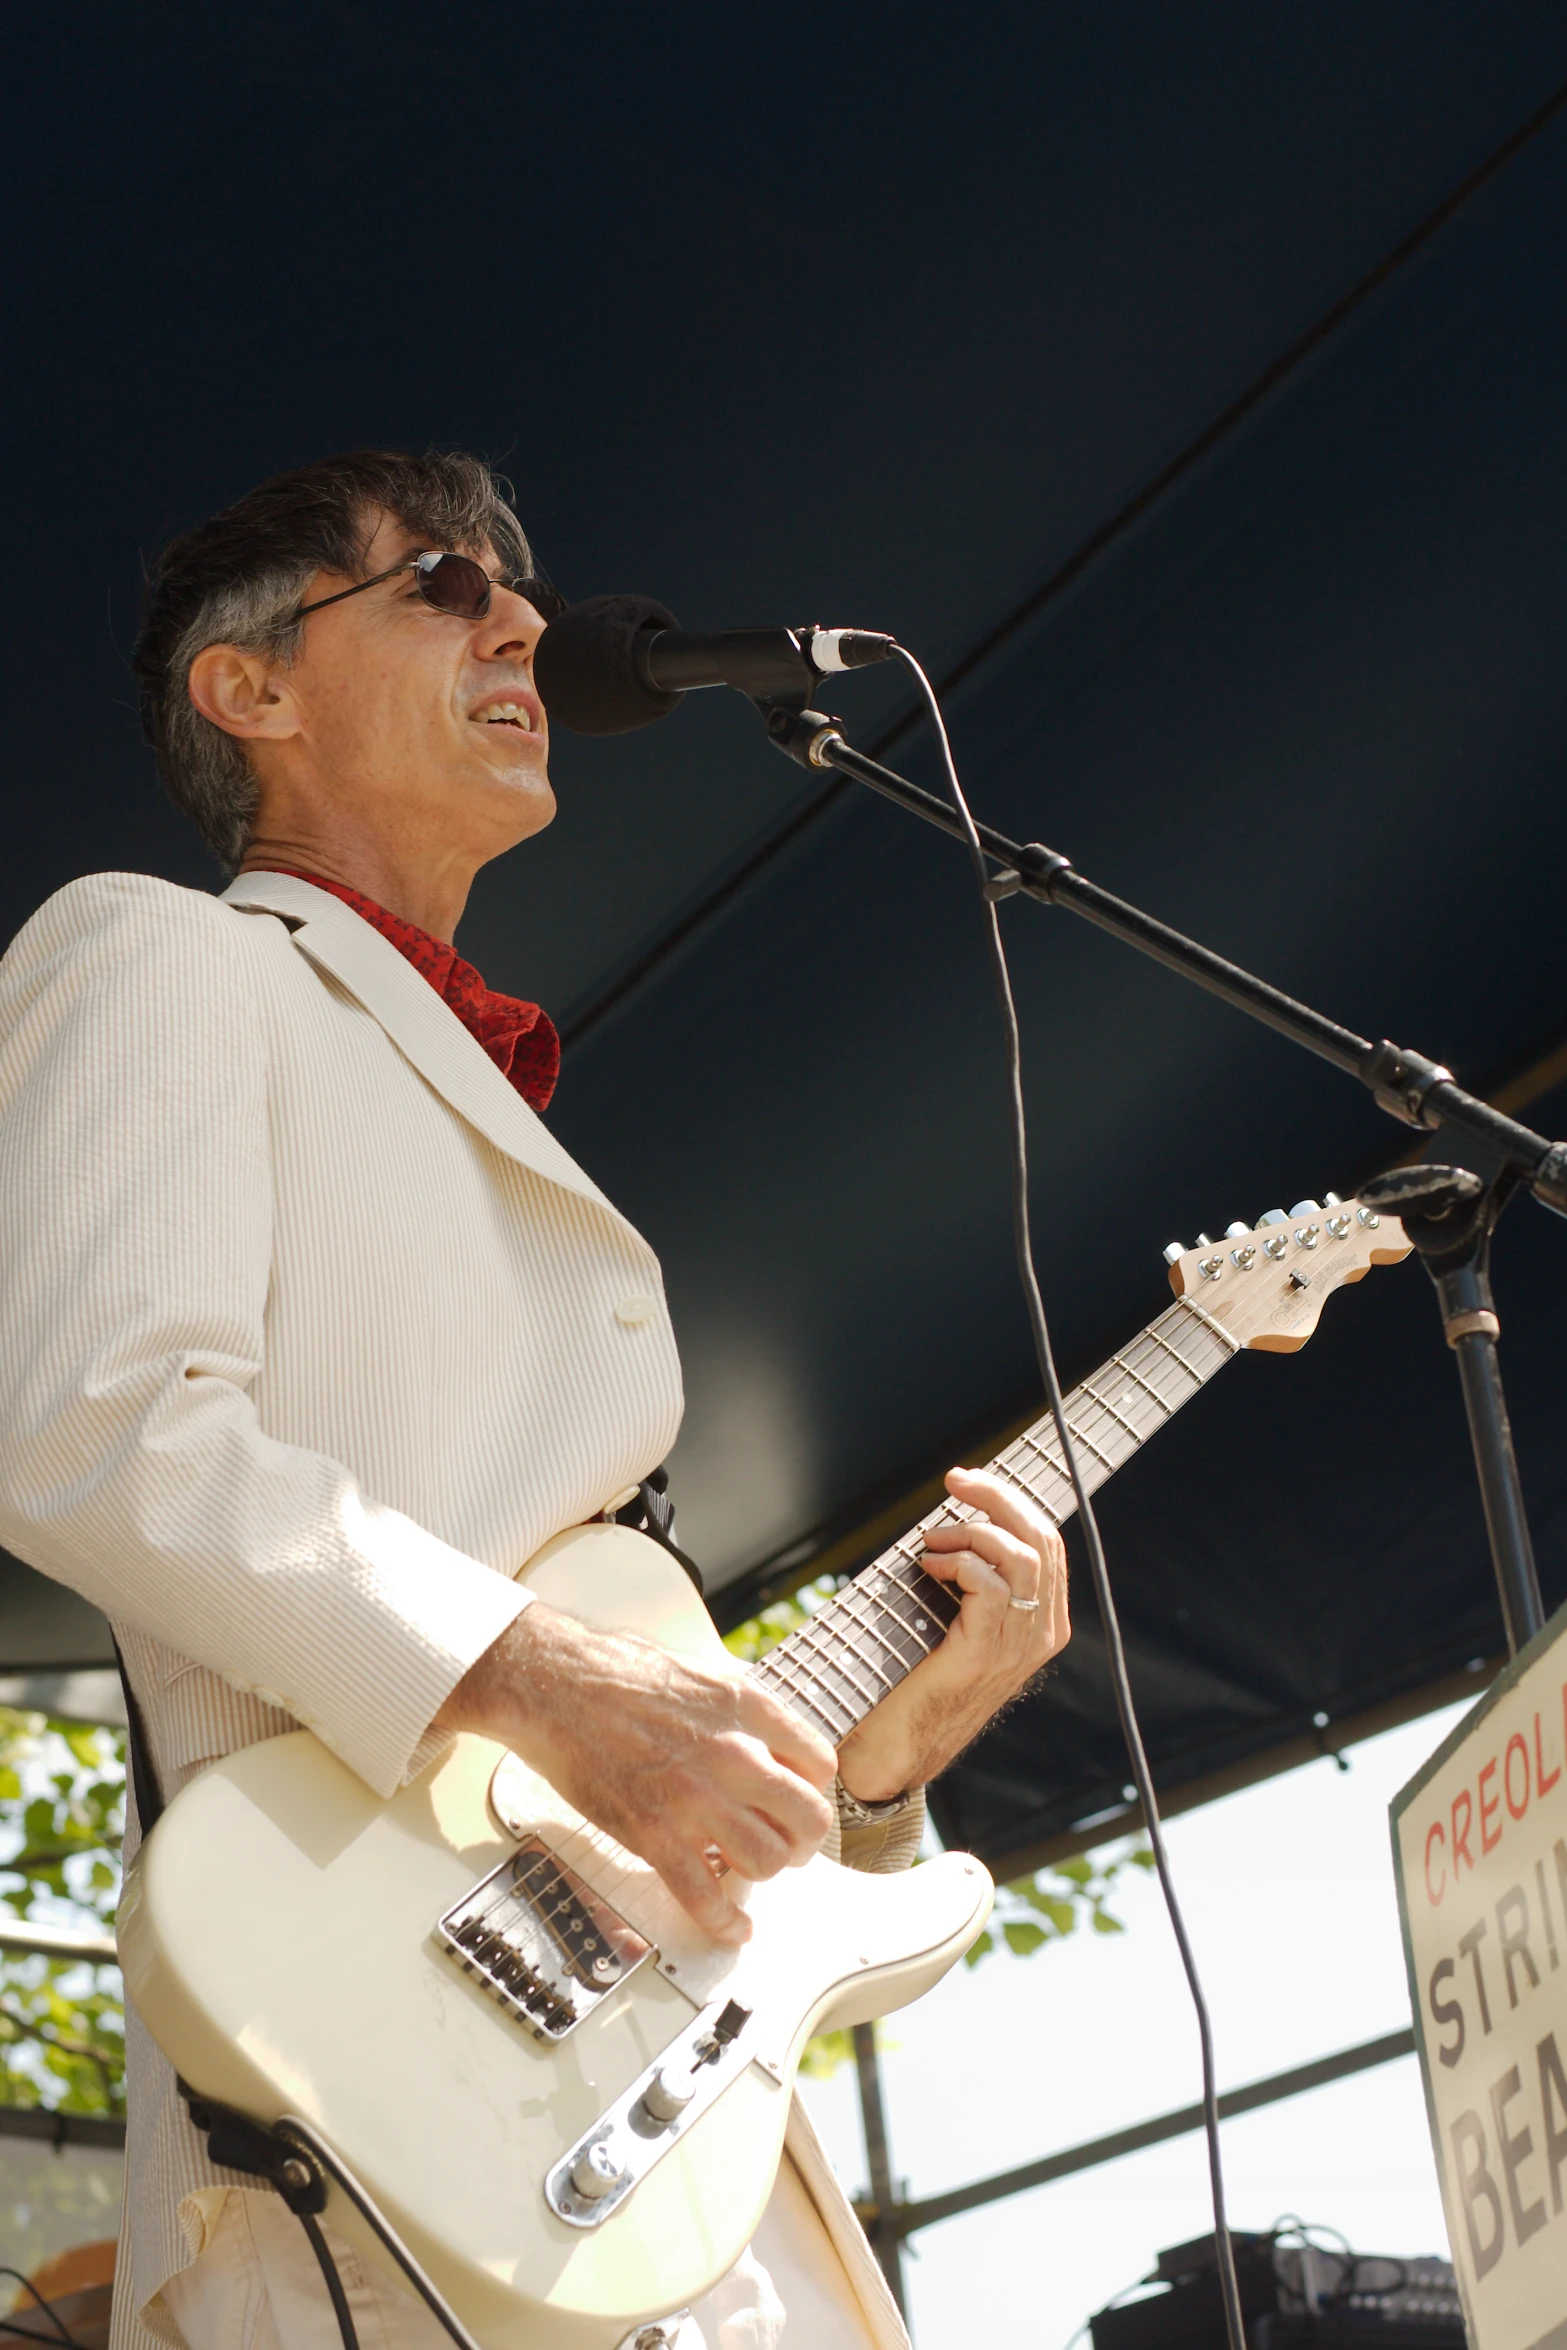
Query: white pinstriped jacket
point(312, 1335)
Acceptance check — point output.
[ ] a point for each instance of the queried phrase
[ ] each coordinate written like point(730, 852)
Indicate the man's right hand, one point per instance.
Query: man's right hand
point(676, 1760)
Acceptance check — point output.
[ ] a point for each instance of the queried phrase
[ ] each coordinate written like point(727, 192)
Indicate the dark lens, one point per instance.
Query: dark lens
point(547, 601)
point(455, 584)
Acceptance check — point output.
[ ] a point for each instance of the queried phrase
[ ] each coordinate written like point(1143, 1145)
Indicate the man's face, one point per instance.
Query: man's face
point(418, 718)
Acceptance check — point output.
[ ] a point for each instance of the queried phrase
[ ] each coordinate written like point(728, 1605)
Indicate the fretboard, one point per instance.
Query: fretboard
point(862, 1642)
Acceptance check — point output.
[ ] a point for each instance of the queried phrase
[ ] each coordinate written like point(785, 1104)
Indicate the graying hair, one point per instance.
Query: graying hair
point(239, 579)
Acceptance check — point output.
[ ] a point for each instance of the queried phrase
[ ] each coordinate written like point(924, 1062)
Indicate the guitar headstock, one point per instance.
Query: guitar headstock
point(1267, 1284)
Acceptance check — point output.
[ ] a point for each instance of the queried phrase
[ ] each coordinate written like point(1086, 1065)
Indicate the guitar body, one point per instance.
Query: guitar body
point(481, 2003)
point(278, 1933)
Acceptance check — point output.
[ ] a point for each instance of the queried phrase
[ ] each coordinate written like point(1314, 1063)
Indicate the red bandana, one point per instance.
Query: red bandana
point(519, 1038)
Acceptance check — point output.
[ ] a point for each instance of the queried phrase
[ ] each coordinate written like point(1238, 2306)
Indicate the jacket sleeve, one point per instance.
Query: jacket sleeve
point(135, 1257)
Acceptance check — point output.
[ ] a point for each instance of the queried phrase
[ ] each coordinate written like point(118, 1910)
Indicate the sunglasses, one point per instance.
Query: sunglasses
point(455, 584)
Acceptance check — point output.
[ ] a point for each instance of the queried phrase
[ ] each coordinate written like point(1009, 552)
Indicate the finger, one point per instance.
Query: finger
point(700, 1894)
point(801, 1815)
point(973, 1575)
point(1001, 1502)
point(792, 1742)
point(1017, 1561)
point(751, 1843)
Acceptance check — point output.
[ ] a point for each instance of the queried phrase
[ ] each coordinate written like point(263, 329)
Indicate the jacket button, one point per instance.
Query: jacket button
point(637, 1308)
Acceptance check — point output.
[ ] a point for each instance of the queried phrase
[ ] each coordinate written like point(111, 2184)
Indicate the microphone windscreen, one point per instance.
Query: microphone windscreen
point(585, 666)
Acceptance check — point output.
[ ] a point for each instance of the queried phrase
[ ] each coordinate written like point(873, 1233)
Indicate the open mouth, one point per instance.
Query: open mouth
point(512, 714)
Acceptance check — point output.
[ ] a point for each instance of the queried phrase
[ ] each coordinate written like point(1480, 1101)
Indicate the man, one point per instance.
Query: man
point(315, 1334)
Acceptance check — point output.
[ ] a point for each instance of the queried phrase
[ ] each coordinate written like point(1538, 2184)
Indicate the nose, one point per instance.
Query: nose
point(510, 629)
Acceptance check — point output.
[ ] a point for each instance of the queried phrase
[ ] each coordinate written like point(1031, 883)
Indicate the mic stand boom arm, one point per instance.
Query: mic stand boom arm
point(1450, 1225)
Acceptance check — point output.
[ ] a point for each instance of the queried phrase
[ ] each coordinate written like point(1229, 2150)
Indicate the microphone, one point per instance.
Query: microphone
point(618, 662)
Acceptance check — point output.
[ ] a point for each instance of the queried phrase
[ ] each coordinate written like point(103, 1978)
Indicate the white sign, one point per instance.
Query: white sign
point(1480, 1851)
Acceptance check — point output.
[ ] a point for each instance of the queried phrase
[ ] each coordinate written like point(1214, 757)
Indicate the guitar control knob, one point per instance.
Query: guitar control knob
point(666, 2096)
point(596, 2173)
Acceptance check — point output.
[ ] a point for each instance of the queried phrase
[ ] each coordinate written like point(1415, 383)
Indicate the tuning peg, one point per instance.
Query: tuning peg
point(1237, 1232)
point(1330, 1199)
point(1271, 1216)
point(1173, 1252)
point(1307, 1207)
point(1203, 1240)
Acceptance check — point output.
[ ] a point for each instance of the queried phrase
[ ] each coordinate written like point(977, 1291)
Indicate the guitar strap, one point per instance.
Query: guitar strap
point(138, 1753)
point(653, 1513)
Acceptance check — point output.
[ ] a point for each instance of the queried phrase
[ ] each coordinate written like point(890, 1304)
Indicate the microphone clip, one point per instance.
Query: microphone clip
point(806, 736)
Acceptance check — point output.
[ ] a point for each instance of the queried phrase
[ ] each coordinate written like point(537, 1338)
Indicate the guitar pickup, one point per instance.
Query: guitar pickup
point(540, 1941)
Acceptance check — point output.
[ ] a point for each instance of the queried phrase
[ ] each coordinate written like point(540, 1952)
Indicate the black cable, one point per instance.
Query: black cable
point(1120, 1678)
point(300, 2133)
point(334, 2281)
point(47, 2307)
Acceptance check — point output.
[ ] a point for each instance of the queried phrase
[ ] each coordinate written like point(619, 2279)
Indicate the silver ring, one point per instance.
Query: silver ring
point(1024, 1606)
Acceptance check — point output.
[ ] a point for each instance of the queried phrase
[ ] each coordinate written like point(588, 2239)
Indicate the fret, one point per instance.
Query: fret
point(843, 1630)
point(1176, 1356)
point(828, 1676)
point(797, 1657)
point(877, 1629)
point(935, 1599)
point(1233, 1344)
point(1049, 1458)
point(810, 1639)
point(1106, 1406)
point(1001, 1469)
point(1089, 1445)
point(905, 1629)
point(798, 1700)
point(780, 1665)
point(912, 1601)
point(1138, 1380)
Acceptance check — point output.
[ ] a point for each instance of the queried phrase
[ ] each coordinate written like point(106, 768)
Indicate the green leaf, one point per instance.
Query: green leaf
point(1022, 1936)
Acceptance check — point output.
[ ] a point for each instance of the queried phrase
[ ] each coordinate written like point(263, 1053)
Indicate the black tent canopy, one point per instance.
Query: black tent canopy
point(1188, 392)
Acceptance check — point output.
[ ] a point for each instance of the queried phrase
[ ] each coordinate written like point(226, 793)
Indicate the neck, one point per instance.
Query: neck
point(430, 889)
point(874, 1631)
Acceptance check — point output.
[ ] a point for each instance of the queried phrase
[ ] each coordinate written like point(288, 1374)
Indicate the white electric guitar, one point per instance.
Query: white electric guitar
point(567, 2100)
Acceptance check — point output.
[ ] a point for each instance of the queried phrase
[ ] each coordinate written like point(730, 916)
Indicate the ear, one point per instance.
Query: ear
point(244, 693)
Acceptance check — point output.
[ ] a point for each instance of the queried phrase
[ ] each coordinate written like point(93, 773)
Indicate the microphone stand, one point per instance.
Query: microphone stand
point(1448, 1213)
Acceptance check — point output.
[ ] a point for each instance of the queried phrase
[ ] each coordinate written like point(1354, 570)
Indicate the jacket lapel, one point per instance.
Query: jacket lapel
point(424, 1029)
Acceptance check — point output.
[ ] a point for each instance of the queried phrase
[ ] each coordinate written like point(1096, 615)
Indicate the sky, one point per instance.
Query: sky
point(1288, 1893)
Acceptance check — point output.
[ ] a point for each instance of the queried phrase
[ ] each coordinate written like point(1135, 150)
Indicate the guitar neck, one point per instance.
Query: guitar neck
point(858, 1646)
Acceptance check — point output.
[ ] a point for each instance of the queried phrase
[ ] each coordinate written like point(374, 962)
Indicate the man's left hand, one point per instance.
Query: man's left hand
point(1011, 1553)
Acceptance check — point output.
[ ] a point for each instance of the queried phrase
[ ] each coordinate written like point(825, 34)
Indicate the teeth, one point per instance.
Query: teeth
point(512, 713)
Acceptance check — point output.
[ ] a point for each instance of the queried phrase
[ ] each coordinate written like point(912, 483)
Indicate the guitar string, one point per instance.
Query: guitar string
point(840, 1617)
point(826, 1622)
point(806, 1662)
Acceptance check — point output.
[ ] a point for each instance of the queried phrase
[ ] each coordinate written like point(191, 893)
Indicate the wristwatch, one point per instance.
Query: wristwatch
point(852, 1813)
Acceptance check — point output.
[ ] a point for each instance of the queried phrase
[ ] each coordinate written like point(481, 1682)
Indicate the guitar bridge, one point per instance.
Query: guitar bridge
point(540, 1941)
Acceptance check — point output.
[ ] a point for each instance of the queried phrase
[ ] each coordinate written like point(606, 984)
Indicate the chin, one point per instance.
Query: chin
point(527, 795)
